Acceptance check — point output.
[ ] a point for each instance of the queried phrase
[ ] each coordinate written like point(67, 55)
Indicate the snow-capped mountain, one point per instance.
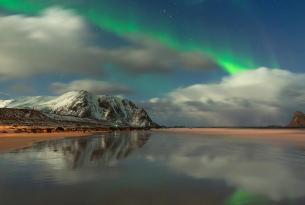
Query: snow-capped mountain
point(82, 104)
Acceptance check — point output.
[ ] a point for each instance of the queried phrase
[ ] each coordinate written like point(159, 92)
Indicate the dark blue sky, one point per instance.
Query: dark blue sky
point(270, 33)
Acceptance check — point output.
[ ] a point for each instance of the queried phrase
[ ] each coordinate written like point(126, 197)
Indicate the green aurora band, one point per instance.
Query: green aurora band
point(128, 22)
point(240, 197)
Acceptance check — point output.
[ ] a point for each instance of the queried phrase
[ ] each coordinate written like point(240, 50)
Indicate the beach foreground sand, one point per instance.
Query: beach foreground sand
point(13, 141)
point(297, 135)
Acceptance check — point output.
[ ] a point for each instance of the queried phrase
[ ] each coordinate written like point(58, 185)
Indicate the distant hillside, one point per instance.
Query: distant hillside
point(298, 120)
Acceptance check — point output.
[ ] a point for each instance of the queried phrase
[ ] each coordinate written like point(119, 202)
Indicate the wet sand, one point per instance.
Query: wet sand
point(297, 135)
point(13, 141)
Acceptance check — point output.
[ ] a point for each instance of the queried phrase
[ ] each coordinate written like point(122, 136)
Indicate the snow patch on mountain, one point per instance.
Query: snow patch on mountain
point(82, 104)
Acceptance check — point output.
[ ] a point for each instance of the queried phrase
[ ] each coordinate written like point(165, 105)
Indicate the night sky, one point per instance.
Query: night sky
point(204, 62)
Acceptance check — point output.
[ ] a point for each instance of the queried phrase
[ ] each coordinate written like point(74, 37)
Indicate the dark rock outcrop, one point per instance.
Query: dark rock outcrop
point(22, 116)
point(298, 120)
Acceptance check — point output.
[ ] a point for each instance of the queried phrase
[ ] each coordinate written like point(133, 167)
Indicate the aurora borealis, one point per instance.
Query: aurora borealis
point(126, 18)
point(243, 198)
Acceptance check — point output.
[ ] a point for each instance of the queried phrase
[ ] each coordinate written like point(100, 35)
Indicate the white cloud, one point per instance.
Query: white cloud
point(94, 86)
point(147, 55)
point(251, 98)
point(55, 42)
point(58, 41)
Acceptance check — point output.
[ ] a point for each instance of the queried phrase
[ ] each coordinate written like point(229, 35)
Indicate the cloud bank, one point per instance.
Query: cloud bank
point(55, 42)
point(146, 55)
point(94, 86)
point(59, 42)
point(251, 98)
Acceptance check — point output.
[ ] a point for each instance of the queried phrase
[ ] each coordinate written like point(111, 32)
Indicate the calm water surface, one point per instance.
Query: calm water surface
point(139, 168)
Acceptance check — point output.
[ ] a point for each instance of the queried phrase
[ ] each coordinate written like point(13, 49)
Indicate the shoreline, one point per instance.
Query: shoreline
point(11, 141)
point(14, 141)
point(297, 135)
point(14, 136)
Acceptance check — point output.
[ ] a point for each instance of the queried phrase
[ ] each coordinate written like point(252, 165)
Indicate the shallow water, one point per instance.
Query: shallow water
point(141, 167)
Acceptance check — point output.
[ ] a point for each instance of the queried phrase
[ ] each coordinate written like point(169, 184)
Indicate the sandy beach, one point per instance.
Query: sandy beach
point(13, 141)
point(276, 134)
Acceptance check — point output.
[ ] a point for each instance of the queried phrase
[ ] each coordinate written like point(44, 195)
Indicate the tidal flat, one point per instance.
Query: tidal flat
point(155, 167)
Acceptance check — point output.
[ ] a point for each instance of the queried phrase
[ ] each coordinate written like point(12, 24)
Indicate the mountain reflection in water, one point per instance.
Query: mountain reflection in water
point(104, 149)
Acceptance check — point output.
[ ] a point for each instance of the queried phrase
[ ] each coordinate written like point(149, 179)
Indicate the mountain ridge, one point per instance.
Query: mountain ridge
point(118, 112)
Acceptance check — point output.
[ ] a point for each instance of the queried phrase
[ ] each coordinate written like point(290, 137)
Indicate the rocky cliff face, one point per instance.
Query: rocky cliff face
point(21, 116)
point(298, 120)
point(82, 104)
